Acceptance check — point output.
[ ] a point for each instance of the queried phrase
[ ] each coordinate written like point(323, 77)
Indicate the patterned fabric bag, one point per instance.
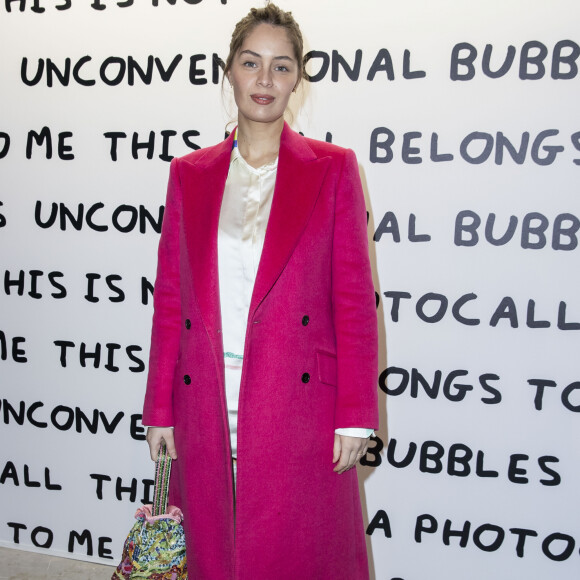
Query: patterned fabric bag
point(155, 546)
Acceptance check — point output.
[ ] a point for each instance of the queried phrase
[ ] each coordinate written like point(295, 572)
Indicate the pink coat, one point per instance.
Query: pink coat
point(310, 366)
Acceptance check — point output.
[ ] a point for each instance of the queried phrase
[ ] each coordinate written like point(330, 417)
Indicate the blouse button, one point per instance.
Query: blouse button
point(305, 377)
point(305, 320)
point(187, 380)
point(187, 323)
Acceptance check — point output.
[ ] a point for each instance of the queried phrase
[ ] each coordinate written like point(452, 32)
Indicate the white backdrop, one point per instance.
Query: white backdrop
point(464, 118)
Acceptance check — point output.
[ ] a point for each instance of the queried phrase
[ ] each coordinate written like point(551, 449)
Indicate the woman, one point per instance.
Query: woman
point(264, 343)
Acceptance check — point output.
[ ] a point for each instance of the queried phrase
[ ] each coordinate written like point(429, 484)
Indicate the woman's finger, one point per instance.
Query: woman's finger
point(157, 435)
point(351, 450)
point(170, 444)
point(336, 449)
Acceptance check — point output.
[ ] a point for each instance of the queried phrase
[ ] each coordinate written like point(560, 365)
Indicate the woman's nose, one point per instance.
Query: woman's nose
point(265, 78)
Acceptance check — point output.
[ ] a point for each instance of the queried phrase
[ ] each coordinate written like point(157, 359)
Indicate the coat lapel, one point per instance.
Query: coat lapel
point(298, 182)
point(203, 187)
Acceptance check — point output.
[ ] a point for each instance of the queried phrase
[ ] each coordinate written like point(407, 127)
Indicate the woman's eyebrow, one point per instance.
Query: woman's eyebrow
point(255, 54)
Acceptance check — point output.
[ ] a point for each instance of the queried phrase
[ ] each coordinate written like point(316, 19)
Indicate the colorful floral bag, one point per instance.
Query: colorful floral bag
point(155, 546)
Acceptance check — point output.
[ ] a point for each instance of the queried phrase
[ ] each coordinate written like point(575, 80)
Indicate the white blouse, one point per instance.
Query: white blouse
point(244, 214)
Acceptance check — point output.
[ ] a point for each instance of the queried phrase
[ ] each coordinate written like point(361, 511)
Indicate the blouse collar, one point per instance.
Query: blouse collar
point(236, 157)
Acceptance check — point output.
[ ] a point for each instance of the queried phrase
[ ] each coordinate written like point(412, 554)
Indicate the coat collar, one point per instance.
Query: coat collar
point(298, 182)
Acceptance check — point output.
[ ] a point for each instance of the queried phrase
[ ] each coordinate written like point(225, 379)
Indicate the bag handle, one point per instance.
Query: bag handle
point(162, 472)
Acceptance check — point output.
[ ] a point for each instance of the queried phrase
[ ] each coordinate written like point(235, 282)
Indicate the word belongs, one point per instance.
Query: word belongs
point(476, 148)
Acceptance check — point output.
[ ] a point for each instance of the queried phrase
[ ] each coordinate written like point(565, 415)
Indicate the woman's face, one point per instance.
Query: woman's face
point(263, 74)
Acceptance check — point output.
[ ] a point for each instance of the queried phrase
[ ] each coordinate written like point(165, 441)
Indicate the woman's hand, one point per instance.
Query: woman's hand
point(347, 451)
point(155, 436)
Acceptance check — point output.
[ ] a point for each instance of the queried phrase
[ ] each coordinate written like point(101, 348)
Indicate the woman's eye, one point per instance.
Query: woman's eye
point(249, 64)
point(282, 68)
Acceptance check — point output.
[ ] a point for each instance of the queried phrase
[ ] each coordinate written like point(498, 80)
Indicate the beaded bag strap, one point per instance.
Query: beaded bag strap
point(162, 472)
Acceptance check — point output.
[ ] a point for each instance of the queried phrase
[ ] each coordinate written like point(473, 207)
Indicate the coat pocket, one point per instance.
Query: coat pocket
point(327, 371)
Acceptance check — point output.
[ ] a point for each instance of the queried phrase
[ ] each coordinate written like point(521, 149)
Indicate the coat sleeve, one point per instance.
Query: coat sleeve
point(354, 307)
point(165, 334)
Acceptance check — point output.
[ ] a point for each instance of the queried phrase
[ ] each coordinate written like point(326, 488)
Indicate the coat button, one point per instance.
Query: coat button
point(187, 380)
point(305, 320)
point(305, 377)
point(187, 323)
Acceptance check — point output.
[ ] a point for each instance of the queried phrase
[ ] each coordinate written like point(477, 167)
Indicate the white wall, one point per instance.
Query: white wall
point(489, 459)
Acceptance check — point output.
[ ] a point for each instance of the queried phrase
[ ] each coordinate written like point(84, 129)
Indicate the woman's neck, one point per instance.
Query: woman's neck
point(259, 143)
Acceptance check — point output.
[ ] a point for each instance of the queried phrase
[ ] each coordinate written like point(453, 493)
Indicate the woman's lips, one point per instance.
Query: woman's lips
point(262, 99)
